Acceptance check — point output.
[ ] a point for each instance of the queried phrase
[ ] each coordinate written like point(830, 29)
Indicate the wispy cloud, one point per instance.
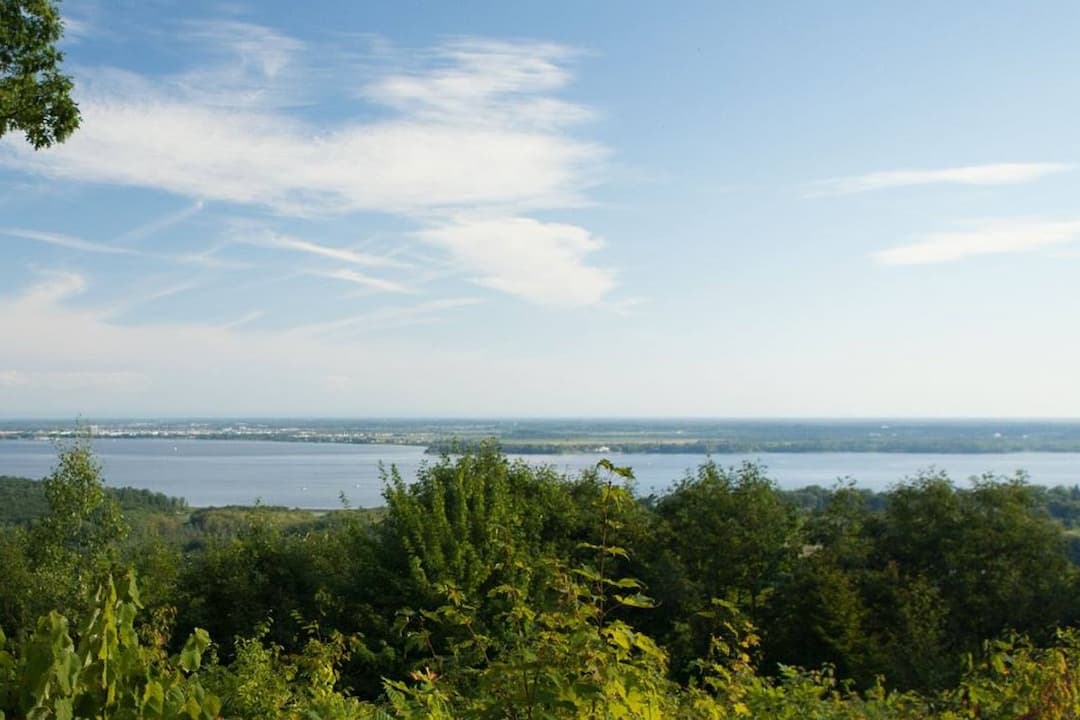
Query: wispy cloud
point(993, 174)
point(244, 65)
point(473, 128)
point(335, 253)
point(482, 101)
point(164, 222)
point(246, 319)
point(486, 81)
point(54, 288)
point(385, 317)
point(993, 237)
point(134, 301)
point(206, 258)
point(359, 278)
point(67, 241)
point(210, 258)
point(259, 49)
point(76, 29)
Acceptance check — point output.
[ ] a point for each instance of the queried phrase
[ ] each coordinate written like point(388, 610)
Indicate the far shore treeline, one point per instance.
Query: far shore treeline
point(599, 436)
point(490, 588)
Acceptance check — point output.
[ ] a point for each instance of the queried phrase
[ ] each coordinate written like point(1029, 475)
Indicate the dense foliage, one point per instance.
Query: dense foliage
point(35, 96)
point(491, 589)
point(23, 500)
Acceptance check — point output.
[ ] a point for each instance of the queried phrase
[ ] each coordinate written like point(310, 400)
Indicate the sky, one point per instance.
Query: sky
point(718, 209)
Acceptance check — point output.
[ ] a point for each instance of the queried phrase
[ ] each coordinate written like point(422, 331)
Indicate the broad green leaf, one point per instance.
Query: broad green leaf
point(191, 655)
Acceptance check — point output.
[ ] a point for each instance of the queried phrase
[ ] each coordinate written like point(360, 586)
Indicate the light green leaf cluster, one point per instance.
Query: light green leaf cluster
point(103, 670)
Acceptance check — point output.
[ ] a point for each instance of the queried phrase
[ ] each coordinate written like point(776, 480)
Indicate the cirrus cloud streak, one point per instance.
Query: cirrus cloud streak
point(990, 174)
point(988, 238)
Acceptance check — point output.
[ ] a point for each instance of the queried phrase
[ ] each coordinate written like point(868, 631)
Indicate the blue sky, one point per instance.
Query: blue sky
point(555, 209)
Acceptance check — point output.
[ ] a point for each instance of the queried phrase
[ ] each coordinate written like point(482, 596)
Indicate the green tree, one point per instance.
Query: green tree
point(728, 533)
point(998, 561)
point(35, 97)
point(234, 586)
point(909, 590)
point(460, 520)
point(17, 596)
point(820, 613)
point(76, 543)
point(563, 653)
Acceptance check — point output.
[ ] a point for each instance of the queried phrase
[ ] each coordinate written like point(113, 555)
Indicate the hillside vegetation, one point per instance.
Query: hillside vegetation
point(492, 589)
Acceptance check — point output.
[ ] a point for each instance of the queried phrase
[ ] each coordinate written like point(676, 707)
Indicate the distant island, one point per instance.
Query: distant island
point(599, 436)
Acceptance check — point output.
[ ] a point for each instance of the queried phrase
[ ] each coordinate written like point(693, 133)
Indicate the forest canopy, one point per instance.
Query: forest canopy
point(491, 588)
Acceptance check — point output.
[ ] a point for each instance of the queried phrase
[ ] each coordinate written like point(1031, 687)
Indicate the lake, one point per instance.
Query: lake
point(313, 475)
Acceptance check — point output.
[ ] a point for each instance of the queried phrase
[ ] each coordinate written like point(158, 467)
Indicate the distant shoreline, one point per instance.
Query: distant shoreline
point(600, 447)
point(722, 448)
point(599, 437)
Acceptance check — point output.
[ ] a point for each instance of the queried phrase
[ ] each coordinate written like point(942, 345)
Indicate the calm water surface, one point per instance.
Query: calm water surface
point(314, 475)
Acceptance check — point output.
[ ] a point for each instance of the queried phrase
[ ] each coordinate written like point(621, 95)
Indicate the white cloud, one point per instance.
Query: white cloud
point(66, 241)
point(244, 65)
point(1011, 236)
point(164, 222)
point(359, 278)
point(255, 158)
point(488, 82)
point(206, 258)
point(130, 302)
point(472, 129)
point(541, 262)
point(992, 174)
point(260, 49)
point(383, 318)
point(335, 253)
point(76, 29)
point(56, 287)
point(141, 132)
point(243, 320)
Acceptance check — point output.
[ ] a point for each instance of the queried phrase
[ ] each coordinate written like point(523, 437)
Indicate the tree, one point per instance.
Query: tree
point(76, 543)
point(998, 560)
point(35, 97)
point(733, 531)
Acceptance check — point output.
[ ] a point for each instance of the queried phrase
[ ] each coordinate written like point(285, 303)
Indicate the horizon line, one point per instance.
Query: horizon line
point(543, 418)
